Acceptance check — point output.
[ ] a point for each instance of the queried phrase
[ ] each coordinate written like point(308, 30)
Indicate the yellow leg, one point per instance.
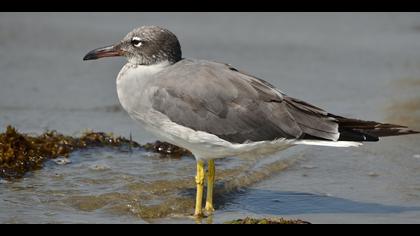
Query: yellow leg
point(199, 180)
point(210, 185)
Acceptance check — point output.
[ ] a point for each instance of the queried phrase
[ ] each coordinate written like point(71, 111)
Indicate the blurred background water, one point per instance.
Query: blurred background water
point(363, 65)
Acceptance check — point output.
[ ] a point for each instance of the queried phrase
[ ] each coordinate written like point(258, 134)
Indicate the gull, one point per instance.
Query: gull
point(217, 111)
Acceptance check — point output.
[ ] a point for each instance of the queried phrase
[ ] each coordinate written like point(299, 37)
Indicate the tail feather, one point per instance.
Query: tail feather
point(360, 130)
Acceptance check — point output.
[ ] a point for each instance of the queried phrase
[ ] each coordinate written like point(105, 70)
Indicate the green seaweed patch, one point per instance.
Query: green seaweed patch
point(266, 221)
point(20, 153)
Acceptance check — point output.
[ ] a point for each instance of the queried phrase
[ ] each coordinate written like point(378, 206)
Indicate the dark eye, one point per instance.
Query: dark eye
point(136, 42)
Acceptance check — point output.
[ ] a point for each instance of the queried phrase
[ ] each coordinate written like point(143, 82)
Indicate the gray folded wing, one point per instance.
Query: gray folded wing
point(218, 99)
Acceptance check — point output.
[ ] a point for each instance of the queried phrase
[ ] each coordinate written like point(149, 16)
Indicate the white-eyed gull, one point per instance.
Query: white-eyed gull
point(216, 111)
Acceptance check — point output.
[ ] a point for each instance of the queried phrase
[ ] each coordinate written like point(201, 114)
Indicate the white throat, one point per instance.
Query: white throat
point(141, 71)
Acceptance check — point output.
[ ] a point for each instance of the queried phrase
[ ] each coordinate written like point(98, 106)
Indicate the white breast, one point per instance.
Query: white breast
point(132, 85)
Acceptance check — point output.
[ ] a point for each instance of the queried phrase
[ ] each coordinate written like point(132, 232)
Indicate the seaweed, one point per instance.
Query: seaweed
point(167, 149)
point(266, 221)
point(20, 153)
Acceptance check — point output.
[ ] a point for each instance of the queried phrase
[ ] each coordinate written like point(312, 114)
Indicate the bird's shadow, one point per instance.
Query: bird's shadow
point(293, 203)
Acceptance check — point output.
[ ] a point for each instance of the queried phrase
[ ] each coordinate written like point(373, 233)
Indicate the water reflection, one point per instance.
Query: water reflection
point(293, 203)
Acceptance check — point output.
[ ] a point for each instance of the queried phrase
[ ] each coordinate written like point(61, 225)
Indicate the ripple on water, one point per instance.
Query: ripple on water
point(115, 183)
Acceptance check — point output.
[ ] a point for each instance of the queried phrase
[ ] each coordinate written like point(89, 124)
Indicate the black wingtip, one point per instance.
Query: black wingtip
point(414, 132)
point(356, 136)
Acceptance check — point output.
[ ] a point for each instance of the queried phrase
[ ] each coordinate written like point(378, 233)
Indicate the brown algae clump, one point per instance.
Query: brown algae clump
point(266, 221)
point(20, 153)
point(167, 149)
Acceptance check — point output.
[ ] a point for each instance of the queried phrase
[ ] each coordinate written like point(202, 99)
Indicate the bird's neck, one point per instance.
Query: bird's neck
point(141, 71)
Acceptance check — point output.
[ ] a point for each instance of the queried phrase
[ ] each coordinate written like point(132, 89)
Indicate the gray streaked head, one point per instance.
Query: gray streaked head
point(146, 45)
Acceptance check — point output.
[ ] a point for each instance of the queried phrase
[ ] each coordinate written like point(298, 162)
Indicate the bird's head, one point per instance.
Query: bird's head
point(146, 45)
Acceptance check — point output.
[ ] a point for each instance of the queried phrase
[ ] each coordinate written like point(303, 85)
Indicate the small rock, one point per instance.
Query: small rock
point(99, 167)
point(62, 161)
point(50, 213)
point(3, 181)
point(373, 174)
point(417, 156)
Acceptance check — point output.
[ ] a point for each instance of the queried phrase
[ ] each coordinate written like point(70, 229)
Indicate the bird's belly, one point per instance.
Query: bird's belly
point(203, 145)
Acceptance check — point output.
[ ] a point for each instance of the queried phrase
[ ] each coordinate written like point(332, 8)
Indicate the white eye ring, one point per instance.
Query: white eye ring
point(136, 42)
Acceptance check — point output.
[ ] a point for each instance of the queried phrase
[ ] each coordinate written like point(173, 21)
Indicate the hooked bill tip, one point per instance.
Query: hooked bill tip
point(90, 56)
point(108, 51)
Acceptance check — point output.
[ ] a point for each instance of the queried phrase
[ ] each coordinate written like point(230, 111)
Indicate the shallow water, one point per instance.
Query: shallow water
point(363, 65)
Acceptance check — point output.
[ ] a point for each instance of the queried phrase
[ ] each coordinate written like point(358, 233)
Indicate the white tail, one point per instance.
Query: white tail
point(328, 143)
